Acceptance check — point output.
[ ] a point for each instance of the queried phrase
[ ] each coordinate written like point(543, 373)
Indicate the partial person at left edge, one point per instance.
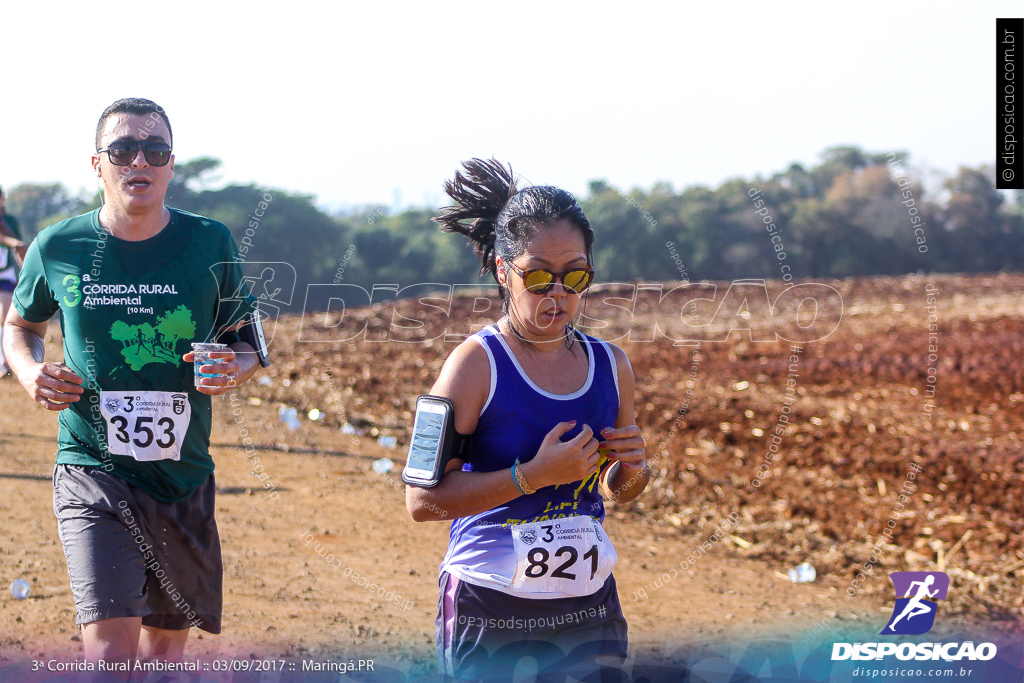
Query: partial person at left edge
point(135, 282)
point(12, 254)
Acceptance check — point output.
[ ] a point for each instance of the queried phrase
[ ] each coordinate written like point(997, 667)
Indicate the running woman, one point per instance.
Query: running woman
point(135, 283)
point(12, 252)
point(528, 572)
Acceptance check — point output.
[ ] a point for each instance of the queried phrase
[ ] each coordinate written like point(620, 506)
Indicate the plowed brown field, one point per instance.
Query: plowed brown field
point(858, 420)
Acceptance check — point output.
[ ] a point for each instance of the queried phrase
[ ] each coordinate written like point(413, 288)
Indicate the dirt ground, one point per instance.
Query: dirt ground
point(857, 423)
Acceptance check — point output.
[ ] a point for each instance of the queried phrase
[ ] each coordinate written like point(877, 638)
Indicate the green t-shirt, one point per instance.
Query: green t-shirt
point(128, 312)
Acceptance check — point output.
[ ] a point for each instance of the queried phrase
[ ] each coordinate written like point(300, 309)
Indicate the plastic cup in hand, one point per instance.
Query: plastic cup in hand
point(202, 352)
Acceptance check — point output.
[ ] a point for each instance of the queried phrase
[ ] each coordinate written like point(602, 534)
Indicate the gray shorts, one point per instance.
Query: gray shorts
point(130, 555)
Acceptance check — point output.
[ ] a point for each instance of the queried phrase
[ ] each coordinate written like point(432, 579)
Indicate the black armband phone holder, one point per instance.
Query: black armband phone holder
point(434, 442)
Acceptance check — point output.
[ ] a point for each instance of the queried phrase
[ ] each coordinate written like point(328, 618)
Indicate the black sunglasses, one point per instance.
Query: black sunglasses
point(123, 152)
point(541, 281)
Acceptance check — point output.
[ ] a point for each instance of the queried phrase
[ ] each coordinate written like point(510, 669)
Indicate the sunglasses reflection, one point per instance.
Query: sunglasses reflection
point(542, 280)
point(124, 152)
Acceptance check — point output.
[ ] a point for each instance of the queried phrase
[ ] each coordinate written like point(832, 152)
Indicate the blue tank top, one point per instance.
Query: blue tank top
point(514, 421)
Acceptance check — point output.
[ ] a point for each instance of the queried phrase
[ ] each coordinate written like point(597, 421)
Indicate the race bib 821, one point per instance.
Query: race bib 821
point(146, 425)
point(566, 557)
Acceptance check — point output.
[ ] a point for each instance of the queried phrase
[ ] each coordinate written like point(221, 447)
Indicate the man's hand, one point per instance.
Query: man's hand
point(226, 371)
point(52, 385)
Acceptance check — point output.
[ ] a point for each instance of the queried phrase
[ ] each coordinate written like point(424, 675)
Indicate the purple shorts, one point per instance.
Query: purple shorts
point(482, 634)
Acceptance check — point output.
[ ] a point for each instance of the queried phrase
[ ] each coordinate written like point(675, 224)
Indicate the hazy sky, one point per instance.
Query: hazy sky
point(363, 102)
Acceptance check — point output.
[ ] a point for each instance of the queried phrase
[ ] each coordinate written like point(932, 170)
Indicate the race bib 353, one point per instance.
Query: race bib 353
point(146, 425)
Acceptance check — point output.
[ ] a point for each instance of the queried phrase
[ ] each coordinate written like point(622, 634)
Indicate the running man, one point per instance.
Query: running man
point(554, 433)
point(133, 483)
point(914, 607)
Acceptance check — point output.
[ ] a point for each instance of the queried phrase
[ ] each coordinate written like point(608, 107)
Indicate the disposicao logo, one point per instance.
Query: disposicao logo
point(948, 652)
point(914, 612)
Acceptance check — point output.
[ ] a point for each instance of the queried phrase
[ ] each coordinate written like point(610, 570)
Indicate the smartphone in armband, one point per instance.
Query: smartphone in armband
point(434, 442)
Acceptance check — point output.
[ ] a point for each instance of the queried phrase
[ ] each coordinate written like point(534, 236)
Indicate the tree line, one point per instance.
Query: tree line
point(853, 214)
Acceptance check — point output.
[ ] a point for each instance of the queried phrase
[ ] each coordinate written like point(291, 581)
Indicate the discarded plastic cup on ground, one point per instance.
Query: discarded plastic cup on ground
point(387, 441)
point(290, 417)
point(202, 357)
point(803, 573)
point(383, 465)
point(20, 589)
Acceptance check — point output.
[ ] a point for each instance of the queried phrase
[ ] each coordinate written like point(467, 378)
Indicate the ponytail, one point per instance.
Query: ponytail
point(479, 193)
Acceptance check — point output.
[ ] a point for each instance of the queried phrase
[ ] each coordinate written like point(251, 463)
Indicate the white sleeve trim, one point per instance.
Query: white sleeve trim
point(494, 371)
point(615, 367)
